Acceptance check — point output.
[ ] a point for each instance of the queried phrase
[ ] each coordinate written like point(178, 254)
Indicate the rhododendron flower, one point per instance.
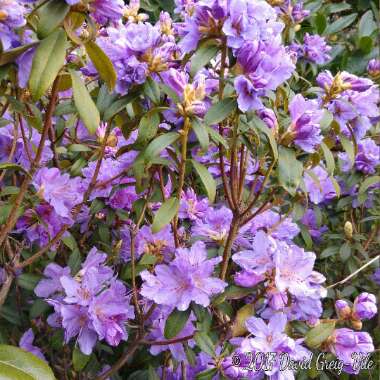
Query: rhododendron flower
point(187, 278)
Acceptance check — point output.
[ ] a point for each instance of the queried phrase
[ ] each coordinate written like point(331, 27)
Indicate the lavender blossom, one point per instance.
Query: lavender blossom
point(187, 278)
point(305, 128)
point(365, 306)
point(368, 157)
point(190, 207)
point(373, 68)
point(26, 343)
point(319, 186)
point(59, 190)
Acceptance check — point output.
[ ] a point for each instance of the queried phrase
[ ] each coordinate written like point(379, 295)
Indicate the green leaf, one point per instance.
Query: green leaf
point(261, 126)
point(102, 63)
point(201, 132)
point(205, 343)
point(348, 146)
point(317, 335)
point(78, 148)
point(238, 327)
point(148, 127)
point(7, 166)
point(216, 136)
point(119, 105)
point(159, 144)
point(80, 360)
point(330, 161)
point(152, 375)
point(84, 104)
point(366, 44)
point(17, 364)
point(202, 57)
point(165, 214)
point(170, 93)
point(208, 374)
point(176, 322)
point(345, 251)
point(289, 170)
point(11, 55)
point(28, 281)
point(148, 259)
point(51, 16)
point(219, 111)
point(152, 90)
point(206, 178)
point(367, 24)
point(368, 182)
point(340, 24)
point(47, 62)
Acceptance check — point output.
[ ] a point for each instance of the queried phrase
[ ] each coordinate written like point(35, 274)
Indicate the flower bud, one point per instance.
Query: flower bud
point(348, 230)
point(3, 15)
point(342, 309)
point(356, 324)
point(373, 68)
point(365, 306)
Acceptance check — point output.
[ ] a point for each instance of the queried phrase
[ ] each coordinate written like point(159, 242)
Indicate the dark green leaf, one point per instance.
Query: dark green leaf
point(152, 90)
point(84, 104)
point(102, 63)
point(175, 323)
point(47, 62)
point(201, 132)
point(289, 170)
point(220, 110)
point(340, 24)
point(159, 144)
point(330, 162)
point(148, 127)
point(317, 335)
point(206, 178)
point(205, 343)
point(165, 214)
point(367, 25)
point(202, 57)
point(208, 374)
point(10, 166)
point(80, 360)
point(368, 182)
point(51, 16)
point(17, 364)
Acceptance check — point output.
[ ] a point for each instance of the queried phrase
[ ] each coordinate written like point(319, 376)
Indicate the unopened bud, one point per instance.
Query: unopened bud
point(356, 324)
point(297, 27)
point(342, 309)
point(3, 15)
point(348, 229)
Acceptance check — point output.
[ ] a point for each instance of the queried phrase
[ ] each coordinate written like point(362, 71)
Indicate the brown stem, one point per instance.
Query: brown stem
point(120, 363)
point(13, 215)
point(234, 228)
point(167, 342)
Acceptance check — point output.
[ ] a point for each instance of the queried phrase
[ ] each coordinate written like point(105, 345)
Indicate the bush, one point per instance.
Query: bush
point(189, 190)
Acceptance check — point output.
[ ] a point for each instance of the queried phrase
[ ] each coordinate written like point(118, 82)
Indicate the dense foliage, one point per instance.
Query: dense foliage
point(187, 186)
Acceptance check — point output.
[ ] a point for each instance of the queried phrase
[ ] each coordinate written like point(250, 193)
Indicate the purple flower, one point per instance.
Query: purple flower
point(269, 118)
point(319, 185)
point(294, 266)
point(365, 306)
point(343, 309)
point(214, 225)
point(265, 67)
point(26, 343)
point(123, 198)
point(109, 168)
point(271, 338)
point(376, 276)
point(50, 285)
point(141, 37)
point(305, 128)
point(298, 12)
point(346, 343)
point(190, 207)
point(373, 68)
point(368, 157)
point(157, 334)
point(109, 311)
point(310, 220)
point(187, 278)
point(59, 190)
point(12, 14)
point(315, 49)
point(106, 10)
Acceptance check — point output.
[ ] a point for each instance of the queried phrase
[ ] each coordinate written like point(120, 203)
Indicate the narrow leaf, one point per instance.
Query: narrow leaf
point(367, 183)
point(219, 111)
point(205, 343)
point(165, 214)
point(51, 16)
point(202, 57)
point(175, 323)
point(102, 63)
point(207, 179)
point(289, 170)
point(317, 335)
point(159, 144)
point(47, 62)
point(330, 161)
point(201, 132)
point(84, 104)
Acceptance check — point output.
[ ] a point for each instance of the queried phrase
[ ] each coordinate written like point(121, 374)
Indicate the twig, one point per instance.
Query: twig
point(355, 273)
point(167, 342)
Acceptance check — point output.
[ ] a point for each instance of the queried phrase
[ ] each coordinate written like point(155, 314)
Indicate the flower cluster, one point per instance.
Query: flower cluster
point(93, 305)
